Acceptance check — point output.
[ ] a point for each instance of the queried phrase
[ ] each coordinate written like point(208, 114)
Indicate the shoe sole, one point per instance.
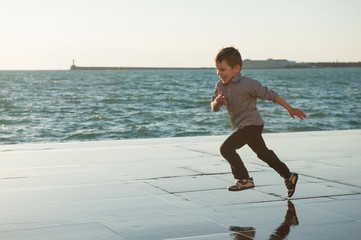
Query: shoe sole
point(239, 189)
point(294, 189)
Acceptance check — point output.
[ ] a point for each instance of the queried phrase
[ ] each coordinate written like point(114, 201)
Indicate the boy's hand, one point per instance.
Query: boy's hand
point(291, 111)
point(221, 99)
point(296, 112)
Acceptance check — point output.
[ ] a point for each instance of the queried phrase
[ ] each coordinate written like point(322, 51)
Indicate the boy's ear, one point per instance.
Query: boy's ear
point(237, 68)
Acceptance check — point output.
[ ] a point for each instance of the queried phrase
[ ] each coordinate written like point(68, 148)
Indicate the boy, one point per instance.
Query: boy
point(238, 94)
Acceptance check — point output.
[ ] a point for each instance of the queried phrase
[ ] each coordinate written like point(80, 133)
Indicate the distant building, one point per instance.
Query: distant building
point(269, 63)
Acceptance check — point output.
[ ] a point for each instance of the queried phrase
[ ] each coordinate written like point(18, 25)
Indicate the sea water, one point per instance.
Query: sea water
point(62, 106)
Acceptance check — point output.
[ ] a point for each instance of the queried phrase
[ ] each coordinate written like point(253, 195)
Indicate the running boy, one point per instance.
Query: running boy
point(238, 94)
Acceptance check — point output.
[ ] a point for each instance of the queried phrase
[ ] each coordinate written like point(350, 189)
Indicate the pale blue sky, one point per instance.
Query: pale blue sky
point(48, 34)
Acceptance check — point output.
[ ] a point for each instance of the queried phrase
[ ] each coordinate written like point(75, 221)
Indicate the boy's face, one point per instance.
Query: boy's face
point(226, 72)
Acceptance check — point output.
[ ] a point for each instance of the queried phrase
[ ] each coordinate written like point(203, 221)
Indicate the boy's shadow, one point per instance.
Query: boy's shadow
point(247, 233)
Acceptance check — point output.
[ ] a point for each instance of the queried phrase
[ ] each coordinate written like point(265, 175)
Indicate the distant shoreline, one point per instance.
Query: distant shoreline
point(326, 65)
point(283, 63)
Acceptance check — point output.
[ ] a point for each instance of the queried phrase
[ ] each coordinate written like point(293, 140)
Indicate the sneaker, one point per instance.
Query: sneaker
point(291, 184)
point(242, 185)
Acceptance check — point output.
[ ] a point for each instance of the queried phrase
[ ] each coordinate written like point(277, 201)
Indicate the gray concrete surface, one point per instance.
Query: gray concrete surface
point(175, 188)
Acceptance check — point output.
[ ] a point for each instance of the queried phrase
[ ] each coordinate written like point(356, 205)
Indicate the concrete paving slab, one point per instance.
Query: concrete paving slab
point(171, 225)
point(175, 188)
point(72, 231)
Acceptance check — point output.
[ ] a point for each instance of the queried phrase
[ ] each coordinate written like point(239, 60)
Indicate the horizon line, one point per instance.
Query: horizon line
point(154, 68)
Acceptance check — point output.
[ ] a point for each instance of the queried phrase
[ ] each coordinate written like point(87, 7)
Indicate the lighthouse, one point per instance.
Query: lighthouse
point(73, 66)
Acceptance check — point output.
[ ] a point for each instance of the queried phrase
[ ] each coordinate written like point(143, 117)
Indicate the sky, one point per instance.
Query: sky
point(49, 34)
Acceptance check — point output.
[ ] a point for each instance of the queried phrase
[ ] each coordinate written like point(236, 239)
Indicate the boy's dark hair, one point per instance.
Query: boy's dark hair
point(231, 55)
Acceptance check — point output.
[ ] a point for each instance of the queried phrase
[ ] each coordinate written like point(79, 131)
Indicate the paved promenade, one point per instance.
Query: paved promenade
point(175, 188)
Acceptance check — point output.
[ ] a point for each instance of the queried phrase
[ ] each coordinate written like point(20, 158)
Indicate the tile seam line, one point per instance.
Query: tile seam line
point(328, 180)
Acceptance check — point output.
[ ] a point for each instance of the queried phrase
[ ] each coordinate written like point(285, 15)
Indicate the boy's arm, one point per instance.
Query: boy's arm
point(219, 101)
point(291, 111)
point(215, 106)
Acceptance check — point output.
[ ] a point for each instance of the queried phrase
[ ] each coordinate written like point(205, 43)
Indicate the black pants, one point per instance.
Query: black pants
point(252, 136)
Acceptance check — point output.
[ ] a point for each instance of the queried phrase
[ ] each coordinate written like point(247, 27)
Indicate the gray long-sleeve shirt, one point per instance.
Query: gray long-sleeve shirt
point(241, 94)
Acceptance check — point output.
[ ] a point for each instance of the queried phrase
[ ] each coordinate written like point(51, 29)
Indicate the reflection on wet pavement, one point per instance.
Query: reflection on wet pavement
point(247, 233)
point(243, 233)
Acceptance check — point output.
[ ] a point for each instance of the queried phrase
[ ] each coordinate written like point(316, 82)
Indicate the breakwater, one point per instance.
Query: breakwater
point(74, 67)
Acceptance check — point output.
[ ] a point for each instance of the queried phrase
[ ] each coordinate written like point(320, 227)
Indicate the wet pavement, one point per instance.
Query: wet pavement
point(175, 188)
